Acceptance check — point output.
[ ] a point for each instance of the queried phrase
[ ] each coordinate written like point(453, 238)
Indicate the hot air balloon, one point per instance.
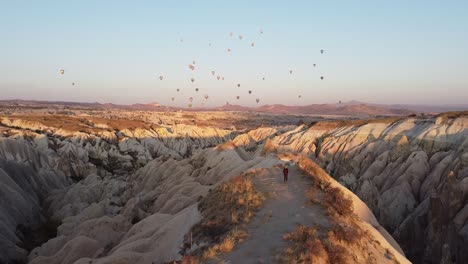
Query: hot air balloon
point(172, 98)
point(237, 97)
point(261, 31)
point(190, 105)
point(191, 67)
point(290, 71)
point(263, 78)
point(206, 97)
point(178, 89)
point(218, 77)
point(339, 102)
point(299, 96)
point(222, 78)
point(196, 89)
point(314, 64)
point(193, 62)
point(321, 51)
point(238, 85)
point(258, 100)
point(321, 77)
point(191, 99)
point(213, 73)
point(73, 83)
point(228, 50)
point(192, 79)
point(250, 91)
point(240, 37)
point(62, 71)
point(161, 77)
point(252, 44)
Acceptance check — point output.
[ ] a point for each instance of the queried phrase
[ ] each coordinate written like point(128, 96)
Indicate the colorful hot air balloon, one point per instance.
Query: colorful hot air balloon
point(191, 67)
point(189, 105)
point(250, 91)
point(321, 77)
point(178, 89)
point(218, 77)
point(191, 99)
point(290, 71)
point(237, 97)
point(73, 83)
point(238, 85)
point(299, 96)
point(321, 51)
point(62, 71)
point(206, 97)
point(172, 98)
point(192, 79)
point(196, 89)
point(161, 77)
point(314, 64)
point(258, 100)
point(240, 37)
point(213, 73)
point(222, 78)
point(193, 62)
point(263, 78)
point(252, 44)
point(228, 50)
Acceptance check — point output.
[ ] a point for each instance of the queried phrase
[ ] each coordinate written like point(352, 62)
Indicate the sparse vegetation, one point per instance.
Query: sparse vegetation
point(306, 247)
point(336, 201)
point(445, 117)
point(225, 211)
point(341, 244)
point(188, 259)
point(347, 232)
point(344, 241)
point(88, 125)
point(330, 125)
point(333, 198)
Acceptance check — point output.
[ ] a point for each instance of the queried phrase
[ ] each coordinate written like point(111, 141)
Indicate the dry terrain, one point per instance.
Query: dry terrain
point(112, 185)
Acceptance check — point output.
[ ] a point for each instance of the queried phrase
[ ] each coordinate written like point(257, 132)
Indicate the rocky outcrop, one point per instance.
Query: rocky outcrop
point(141, 218)
point(412, 173)
point(116, 190)
point(106, 151)
point(26, 178)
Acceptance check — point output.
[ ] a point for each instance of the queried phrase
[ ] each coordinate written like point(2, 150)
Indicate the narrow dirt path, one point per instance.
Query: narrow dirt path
point(285, 207)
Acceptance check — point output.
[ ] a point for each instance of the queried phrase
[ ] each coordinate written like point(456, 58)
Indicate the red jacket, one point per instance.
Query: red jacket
point(285, 171)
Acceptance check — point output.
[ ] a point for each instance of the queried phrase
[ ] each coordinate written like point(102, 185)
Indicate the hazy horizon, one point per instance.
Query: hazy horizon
point(114, 52)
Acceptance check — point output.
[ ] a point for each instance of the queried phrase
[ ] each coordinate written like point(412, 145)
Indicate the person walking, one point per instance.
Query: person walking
point(285, 173)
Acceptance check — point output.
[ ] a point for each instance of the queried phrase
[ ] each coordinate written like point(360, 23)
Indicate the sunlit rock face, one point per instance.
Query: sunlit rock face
point(116, 188)
point(98, 182)
point(412, 173)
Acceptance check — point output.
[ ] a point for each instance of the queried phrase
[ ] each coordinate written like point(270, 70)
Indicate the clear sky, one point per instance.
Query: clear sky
point(114, 51)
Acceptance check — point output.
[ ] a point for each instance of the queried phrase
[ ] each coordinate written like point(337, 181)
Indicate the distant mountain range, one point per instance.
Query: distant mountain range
point(428, 108)
point(351, 108)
